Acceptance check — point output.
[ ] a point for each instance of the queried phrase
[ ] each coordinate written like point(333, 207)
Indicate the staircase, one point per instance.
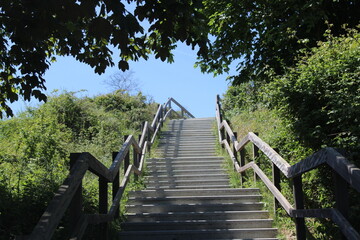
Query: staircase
point(188, 194)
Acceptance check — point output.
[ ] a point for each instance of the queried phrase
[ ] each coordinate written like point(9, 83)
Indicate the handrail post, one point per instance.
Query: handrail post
point(75, 208)
point(103, 205)
point(255, 156)
point(276, 181)
point(126, 158)
point(242, 163)
point(115, 184)
point(341, 195)
point(234, 150)
point(299, 204)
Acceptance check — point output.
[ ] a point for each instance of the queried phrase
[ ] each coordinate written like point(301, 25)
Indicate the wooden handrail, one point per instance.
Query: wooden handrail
point(184, 111)
point(349, 172)
point(53, 214)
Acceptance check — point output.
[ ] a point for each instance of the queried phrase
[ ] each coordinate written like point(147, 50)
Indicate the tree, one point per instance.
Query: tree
point(262, 35)
point(33, 33)
point(123, 81)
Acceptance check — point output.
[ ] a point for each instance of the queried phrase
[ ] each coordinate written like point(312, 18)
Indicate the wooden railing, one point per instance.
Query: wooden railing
point(345, 174)
point(69, 195)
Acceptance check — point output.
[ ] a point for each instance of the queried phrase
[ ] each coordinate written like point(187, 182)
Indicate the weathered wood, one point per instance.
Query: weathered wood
point(126, 158)
point(144, 134)
point(115, 185)
point(229, 132)
point(97, 168)
point(242, 143)
point(341, 194)
point(276, 181)
point(79, 228)
point(348, 231)
point(299, 204)
point(75, 207)
point(242, 163)
point(157, 116)
point(103, 205)
point(182, 108)
point(343, 167)
point(270, 153)
point(156, 131)
point(278, 195)
point(124, 151)
point(55, 210)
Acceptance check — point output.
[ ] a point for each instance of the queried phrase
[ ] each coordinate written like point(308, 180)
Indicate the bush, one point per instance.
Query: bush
point(321, 94)
point(35, 147)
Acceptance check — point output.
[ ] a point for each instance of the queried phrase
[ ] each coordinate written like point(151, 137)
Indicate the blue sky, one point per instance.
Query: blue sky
point(161, 80)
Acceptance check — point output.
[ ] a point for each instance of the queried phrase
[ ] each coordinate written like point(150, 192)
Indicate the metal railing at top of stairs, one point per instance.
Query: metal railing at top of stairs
point(345, 174)
point(69, 194)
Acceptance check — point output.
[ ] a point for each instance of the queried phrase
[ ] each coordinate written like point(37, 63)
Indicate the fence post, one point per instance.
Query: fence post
point(255, 155)
point(299, 204)
point(242, 163)
point(115, 184)
point(341, 195)
point(103, 205)
point(75, 208)
point(276, 181)
point(127, 158)
point(234, 150)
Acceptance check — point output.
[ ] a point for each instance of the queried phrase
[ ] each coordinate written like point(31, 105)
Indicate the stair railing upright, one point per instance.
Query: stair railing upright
point(345, 174)
point(69, 194)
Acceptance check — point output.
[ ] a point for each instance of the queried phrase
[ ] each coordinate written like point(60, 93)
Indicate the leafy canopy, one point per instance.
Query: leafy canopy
point(32, 33)
point(262, 35)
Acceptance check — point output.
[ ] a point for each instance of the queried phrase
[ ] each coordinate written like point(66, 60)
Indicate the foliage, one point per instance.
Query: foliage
point(34, 150)
point(320, 95)
point(313, 105)
point(261, 36)
point(33, 33)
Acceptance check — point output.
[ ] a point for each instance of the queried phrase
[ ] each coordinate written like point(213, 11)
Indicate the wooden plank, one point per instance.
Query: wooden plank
point(308, 164)
point(270, 153)
point(344, 168)
point(276, 181)
point(299, 204)
point(144, 134)
point(349, 232)
point(75, 207)
point(115, 185)
point(121, 155)
point(242, 143)
point(156, 131)
point(142, 158)
point(157, 115)
point(180, 106)
point(227, 128)
point(80, 227)
point(58, 205)
point(97, 168)
point(281, 199)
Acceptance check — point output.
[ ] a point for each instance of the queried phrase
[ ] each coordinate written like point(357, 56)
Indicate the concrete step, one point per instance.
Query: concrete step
point(180, 216)
point(182, 166)
point(171, 172)
point(188, 186)
point(195, 199)
point(202, 207)
point(192, 192)
point(188, 177)
point(175, 160)
point(201, 234)
point(186, 182)
point(197, 224)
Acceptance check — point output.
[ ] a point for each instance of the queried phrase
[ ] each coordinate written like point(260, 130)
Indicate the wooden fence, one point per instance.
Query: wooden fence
point(69, 194)
point(345, 174)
